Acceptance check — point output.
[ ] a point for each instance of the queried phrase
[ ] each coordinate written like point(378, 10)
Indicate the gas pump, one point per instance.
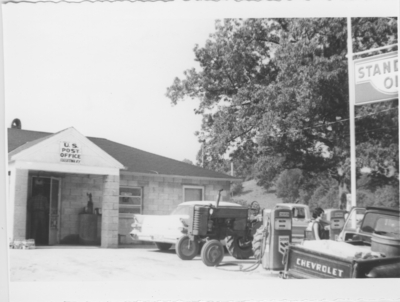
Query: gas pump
point(279, 229)
point(335, 218)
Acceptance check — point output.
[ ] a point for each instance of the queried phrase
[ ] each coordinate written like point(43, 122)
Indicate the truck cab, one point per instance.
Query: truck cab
point(362, 224)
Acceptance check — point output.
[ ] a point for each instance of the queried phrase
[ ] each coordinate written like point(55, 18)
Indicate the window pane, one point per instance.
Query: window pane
point(130, 210)
point(380, 223)
point(299, 213)
point(130, 201)
point(130, 191)
point(192, 194)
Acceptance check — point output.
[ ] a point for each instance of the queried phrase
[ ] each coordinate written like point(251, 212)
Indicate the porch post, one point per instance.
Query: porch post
point(20, 189)
point(110, 207)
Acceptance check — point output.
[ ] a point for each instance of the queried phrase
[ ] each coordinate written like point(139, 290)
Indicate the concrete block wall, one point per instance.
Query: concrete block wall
point(20, 206)
point(74, 189)
point(162, 194)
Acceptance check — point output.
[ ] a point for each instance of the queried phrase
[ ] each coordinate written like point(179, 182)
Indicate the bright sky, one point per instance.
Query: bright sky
point(104, 70)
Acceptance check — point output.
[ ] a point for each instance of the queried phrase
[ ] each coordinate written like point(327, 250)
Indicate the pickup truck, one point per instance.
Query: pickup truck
point(372, 252)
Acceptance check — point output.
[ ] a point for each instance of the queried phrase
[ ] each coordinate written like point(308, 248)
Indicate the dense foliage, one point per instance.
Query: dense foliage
point(274, 97)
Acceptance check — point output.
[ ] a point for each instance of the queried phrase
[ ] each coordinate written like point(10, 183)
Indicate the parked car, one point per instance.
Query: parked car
point(300, 218)
point(166, 230)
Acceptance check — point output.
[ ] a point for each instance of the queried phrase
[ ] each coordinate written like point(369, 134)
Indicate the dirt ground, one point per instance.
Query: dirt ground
point(65, 263)
point(72, 274)
point(65, 273)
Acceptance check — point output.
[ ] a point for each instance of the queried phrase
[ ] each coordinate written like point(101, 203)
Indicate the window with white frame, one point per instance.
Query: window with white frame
point(193, 193)
point(130, 201)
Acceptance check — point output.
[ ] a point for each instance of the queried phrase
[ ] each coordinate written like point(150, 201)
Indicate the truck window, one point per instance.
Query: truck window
point(298, 213)
point(381, 223)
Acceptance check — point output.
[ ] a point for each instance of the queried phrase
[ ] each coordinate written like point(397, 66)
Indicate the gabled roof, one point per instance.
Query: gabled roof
point(133, 159)
point(27, 145)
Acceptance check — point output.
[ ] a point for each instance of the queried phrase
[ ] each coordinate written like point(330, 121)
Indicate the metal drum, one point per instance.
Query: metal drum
point(88, 229)
point(381, 243)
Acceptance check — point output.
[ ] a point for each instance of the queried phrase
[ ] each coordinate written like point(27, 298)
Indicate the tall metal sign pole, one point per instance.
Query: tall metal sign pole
point(351, 111)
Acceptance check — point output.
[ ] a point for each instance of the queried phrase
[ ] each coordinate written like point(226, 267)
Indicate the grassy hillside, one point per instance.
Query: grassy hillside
point(253, 192)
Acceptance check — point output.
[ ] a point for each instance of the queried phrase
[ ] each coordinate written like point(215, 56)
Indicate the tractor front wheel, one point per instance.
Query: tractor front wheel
point(212, 253)
point(238, 247)
point(186, 249)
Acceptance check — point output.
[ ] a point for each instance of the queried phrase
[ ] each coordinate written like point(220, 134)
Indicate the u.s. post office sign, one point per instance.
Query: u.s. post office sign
point(70, 152)
point(376, 78)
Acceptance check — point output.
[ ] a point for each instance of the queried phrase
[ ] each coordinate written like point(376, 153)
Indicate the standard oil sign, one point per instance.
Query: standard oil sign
point(376, 78)
point(70, 152)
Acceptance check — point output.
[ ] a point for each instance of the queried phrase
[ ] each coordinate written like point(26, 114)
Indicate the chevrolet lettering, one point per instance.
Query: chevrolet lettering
point(320, 268)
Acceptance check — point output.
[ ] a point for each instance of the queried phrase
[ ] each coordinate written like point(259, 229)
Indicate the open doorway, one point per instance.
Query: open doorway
point(43, 210)
point(38, 210)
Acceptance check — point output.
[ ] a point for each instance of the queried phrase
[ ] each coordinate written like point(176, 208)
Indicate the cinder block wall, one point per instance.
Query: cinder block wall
point(162, 194)
point(74, 188)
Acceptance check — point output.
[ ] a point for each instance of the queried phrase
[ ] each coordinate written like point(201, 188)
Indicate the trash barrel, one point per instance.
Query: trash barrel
point(88, 229)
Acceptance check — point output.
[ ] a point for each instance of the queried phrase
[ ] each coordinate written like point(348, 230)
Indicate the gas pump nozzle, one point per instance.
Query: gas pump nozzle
point(219, 197)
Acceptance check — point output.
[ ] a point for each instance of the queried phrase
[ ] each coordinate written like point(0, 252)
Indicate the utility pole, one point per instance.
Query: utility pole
point(202, 153)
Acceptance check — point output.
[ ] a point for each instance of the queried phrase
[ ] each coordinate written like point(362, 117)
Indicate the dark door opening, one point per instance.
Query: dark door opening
point(38, 210)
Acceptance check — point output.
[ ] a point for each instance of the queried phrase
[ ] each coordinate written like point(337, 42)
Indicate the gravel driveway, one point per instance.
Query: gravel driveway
point(146, 274)
point(122, 264)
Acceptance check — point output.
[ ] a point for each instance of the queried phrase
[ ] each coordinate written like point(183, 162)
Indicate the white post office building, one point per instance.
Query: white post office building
point(119, 180)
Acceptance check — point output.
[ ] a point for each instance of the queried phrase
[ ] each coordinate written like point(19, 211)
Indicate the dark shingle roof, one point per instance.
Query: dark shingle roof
point(133, 159)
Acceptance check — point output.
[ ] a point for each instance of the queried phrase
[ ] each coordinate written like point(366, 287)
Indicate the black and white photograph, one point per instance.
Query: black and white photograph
point(200, 150)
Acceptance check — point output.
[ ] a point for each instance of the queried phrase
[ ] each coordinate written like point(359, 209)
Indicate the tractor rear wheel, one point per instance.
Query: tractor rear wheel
point(186, 249)
point(238, 248)
point(258, 242)
point(162, 246)
point(212, 253)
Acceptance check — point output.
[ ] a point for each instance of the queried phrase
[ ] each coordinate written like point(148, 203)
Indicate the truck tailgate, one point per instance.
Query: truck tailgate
point(304, 263)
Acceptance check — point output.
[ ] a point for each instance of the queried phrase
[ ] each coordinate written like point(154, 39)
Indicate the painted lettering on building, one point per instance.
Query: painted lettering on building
point(326, 269)
point(376, 78)
point(70, 152)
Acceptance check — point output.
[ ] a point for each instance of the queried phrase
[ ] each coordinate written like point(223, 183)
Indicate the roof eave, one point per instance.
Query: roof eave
point(233, 179)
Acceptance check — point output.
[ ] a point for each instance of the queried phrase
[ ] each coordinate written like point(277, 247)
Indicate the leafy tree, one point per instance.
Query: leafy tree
point(326, 195)
point(268, 90)
point(237, 188)
point(377, 144)
point(387, 196)
point(223, 165)
point(274, 96)
point(288, 185)
point(188, 161)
